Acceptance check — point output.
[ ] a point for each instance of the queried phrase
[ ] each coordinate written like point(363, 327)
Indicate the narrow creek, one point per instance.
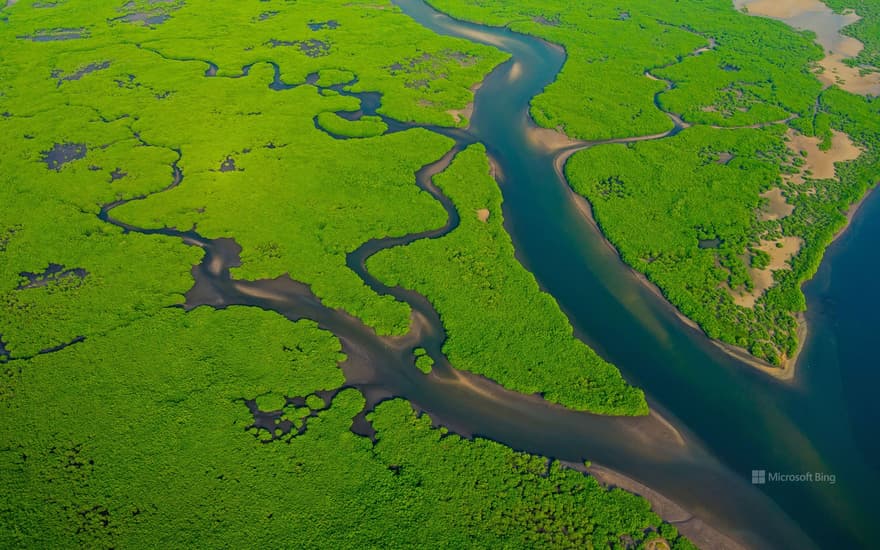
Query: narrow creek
point(714, 418)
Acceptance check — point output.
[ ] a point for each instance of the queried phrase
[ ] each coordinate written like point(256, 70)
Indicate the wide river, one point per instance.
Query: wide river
point(734, 418)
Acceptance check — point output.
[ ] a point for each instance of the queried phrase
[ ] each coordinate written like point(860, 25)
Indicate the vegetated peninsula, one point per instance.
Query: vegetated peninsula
point(740, 166)
point(152, 396)
point(499, 323)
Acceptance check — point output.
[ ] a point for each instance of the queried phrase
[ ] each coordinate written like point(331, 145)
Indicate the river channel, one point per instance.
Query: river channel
point(714, 420)
point(820, 423)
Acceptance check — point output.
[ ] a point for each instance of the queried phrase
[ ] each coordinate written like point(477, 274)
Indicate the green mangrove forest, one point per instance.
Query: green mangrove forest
point(498, 322)
point(728, 215)
point(187, 189)
point(134, 135)
point(866, 30)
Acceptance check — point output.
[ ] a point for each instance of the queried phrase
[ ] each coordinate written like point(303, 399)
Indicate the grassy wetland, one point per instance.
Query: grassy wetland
point(137, 135)
point(261, 280)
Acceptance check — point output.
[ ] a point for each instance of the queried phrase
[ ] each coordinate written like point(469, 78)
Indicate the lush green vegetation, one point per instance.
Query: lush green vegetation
point(657, 200)
point(602, 91)
point(424, 362)
point(366, 126)
point(499, 323)
point(110, 444)
point(867, 30)
point(439, 71)
point(688, 211)
point(118, 91)
point(127, 420)
point(50, 217)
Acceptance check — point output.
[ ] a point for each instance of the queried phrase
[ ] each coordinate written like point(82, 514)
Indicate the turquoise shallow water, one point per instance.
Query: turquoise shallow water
point(820, 426)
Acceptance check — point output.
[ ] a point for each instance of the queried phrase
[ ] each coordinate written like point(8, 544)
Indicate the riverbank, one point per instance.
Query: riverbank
point(695, 529)
point(748, 419)
point(785, 371)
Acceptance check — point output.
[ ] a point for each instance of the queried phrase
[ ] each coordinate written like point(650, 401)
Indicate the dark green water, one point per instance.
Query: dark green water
point(823, 423)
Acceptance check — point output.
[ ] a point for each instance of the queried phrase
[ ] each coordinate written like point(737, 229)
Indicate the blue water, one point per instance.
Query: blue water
point(822, 425)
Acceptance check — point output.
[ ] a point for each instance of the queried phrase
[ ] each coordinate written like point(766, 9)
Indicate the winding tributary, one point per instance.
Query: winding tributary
point(714, 419)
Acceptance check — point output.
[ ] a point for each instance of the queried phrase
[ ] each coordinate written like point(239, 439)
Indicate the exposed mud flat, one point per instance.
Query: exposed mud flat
point(819, 164)
point(551, 140)
point(781, 252)
point(461, 115)
point(464, 115)
point(815, 16)
point(782, 9)
point(777, 208)
point(724, 158)
point(837, 72)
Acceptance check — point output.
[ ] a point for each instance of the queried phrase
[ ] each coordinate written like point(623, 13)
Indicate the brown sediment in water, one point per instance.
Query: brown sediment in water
point(495, 170)
point(515, 71)
point(480, 36)
point(815, 16)
point(583, 206)
point(668, 425)
point(652, 433)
